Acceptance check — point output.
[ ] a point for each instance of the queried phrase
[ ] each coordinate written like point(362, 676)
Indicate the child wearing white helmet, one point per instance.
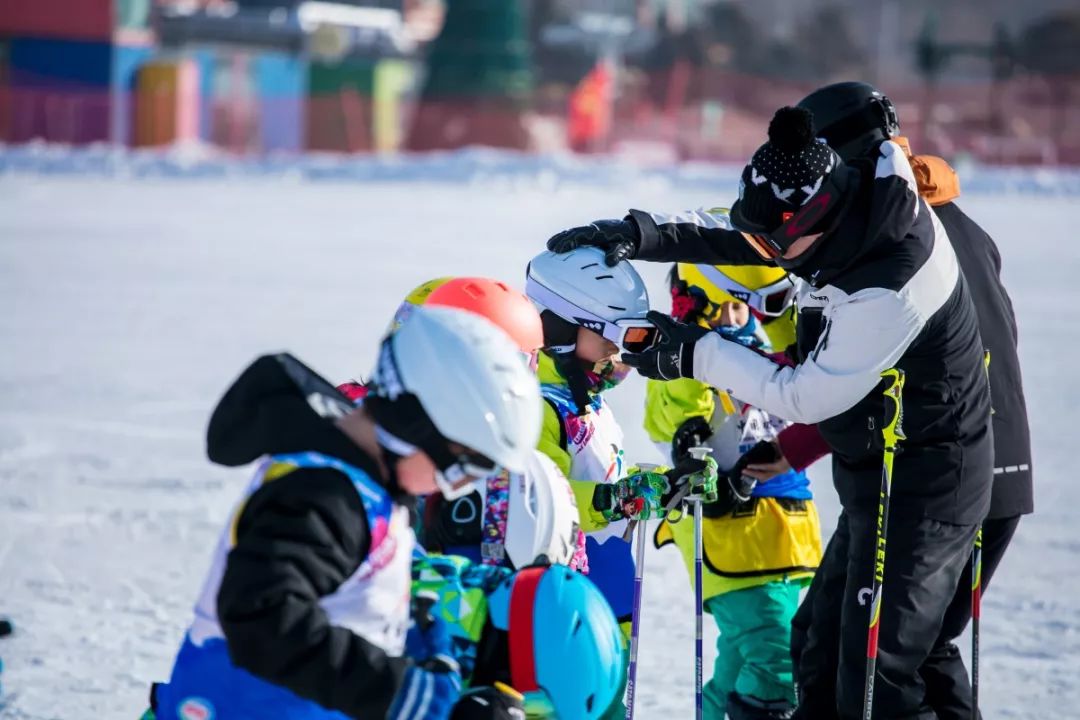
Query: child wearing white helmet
point(305, 611)
point(591, 313)
point(508, 519)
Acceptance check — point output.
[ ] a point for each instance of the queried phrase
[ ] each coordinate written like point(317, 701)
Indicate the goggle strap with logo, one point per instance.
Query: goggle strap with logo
point(760, 299)
point(638, 332)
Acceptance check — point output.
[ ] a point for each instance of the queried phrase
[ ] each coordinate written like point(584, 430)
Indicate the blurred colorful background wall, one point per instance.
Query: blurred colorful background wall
point(657, 80)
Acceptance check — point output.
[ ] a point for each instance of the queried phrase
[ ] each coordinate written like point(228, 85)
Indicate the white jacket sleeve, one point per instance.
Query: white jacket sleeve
point(863, 336)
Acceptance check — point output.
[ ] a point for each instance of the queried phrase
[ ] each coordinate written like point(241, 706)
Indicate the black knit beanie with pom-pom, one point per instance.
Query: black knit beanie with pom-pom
point(784, 173)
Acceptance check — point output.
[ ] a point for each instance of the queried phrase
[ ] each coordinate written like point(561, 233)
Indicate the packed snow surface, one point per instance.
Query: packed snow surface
point(130, 301)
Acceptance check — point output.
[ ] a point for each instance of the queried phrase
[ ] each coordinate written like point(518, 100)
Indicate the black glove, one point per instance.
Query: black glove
point(489, 703)
point(617, 238)
point(692, 433)
point(673, 356)
point(736, 488)
point(764, 451)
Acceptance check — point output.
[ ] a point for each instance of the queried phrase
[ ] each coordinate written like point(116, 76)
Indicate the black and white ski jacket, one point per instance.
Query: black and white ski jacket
point(883, 290)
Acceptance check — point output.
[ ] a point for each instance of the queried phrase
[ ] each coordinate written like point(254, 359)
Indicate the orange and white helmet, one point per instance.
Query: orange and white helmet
point(494, 300)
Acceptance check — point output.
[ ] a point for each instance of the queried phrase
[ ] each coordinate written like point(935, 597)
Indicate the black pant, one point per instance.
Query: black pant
point(924, 561)
point(948, 690)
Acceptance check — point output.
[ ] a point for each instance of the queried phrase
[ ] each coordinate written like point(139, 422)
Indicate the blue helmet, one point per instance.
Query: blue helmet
point(564, 640)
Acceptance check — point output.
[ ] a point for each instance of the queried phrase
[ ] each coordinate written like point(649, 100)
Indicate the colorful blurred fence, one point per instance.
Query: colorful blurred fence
point(245, 102)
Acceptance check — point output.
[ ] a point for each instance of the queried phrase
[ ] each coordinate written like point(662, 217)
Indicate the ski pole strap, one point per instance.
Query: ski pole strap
point(893, 431)
point(976, 574)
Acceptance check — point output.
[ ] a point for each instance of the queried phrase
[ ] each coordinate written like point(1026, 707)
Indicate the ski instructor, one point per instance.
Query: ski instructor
point(854, 118)
point(881, 288)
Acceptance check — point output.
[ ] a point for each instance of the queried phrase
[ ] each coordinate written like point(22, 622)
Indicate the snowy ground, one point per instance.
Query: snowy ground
point(128, 305)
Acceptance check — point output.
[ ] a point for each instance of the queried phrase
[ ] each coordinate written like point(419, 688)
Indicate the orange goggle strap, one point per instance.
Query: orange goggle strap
point(761, 245)
point(824, 204)
point(522, 602)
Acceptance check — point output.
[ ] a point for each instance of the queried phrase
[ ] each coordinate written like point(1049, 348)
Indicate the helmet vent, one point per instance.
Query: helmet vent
point(605, 277)
point(616, 307)
point(586, 267)
point(589, 702)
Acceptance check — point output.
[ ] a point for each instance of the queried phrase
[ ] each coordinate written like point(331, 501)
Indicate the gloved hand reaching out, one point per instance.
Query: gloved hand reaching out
point(618, 239)
point(653, 493)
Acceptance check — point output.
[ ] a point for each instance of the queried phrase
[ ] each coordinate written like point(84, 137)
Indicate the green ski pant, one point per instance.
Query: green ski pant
point(754, 647)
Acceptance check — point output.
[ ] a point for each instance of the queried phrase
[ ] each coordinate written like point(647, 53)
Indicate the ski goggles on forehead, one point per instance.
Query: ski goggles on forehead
point(631, 334)
point(804, 221)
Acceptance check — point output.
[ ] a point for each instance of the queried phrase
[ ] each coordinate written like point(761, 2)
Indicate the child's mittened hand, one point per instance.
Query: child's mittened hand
point(692, 477)
point(637, 496)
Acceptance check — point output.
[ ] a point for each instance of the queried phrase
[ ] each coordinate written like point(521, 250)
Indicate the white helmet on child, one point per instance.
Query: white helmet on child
point(582, 291)
point(542, 517)
point(451, 376)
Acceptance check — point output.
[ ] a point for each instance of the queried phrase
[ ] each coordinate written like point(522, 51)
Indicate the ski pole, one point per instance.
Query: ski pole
point(976, 610)
point(635, 620)
point(976, 592)
point(698, 453)
point(892, 433)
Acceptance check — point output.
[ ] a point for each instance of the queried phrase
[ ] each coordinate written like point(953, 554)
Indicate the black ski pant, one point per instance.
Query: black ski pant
point(948, 688)
point(924, 561)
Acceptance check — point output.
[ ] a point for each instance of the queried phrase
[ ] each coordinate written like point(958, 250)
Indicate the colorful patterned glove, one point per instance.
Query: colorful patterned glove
point(637, 496)
point(692, 478)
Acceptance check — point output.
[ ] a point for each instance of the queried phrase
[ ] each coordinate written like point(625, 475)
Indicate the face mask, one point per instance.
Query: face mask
point(746, 335)
point(606, 375)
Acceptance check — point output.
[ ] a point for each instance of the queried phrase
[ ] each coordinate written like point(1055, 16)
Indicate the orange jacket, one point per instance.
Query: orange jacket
point(938, 183)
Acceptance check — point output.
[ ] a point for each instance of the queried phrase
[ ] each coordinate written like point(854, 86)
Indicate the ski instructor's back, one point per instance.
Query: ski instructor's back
point(882, 289)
